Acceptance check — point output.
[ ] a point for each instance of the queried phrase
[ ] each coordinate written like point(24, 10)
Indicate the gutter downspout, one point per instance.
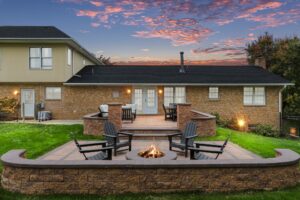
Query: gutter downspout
point(280, 110)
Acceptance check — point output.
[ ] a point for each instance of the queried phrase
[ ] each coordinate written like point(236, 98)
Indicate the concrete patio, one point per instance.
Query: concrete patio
point(69, 151)
point(152, 121)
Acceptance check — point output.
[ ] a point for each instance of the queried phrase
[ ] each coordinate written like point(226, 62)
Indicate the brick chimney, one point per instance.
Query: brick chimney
point(261, 62)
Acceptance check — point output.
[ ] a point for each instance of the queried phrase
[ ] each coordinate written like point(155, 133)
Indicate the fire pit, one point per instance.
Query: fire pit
point(153, 152)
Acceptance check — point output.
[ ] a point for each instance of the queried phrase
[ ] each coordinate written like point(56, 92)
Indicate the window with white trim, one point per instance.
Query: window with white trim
point(40, 58)
point(53, 93)
point(254, 96)
point(174, 95)
point(213, 93)
point(70, 57)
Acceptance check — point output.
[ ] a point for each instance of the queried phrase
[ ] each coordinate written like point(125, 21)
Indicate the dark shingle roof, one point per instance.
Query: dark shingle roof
point(38, 32)
point(203, 75)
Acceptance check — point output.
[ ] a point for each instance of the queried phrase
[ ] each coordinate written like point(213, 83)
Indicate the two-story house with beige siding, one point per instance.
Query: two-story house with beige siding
point(43, 64)
point(34, 64)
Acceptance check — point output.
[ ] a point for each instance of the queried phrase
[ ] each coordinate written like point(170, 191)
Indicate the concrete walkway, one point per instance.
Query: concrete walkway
point(69, 151)
point(56, 122)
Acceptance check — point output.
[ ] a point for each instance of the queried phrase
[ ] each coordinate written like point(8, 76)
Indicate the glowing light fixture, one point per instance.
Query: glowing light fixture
point(16, 92)
point(293, 131)
point(160, 91)
point(128, 91)
point(241, 123)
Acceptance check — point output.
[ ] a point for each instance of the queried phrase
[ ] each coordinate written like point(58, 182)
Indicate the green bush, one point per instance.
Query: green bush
point(8, 105)
point(221, 122)
point(265, 130)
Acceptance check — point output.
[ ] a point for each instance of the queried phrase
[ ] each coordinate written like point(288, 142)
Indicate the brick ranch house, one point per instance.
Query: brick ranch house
point(43, 64)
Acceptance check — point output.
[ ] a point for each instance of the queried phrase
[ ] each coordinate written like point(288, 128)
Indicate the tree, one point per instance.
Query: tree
point(262, 47)
point(105, 60)
point(283, 58)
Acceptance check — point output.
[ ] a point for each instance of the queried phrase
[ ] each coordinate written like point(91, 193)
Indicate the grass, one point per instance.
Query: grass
point(37, 139)
point(260, 145)
point(287, 194)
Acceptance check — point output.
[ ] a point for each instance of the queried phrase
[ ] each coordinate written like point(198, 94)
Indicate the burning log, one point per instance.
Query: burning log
point(151, 152)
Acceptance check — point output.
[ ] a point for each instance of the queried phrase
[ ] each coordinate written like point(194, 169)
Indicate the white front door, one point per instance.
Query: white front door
point(27, 102)
point(146, 100)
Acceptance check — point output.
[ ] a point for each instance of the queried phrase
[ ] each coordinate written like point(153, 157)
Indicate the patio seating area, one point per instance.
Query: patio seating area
point(69, 151)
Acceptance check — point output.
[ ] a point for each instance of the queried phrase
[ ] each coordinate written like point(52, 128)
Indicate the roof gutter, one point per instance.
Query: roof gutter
point(183, 84)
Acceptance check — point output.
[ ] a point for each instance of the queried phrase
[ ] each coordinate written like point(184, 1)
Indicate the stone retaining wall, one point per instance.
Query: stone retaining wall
point(116, 177)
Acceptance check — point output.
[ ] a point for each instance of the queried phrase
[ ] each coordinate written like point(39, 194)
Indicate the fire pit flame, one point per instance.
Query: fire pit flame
point(152, 152)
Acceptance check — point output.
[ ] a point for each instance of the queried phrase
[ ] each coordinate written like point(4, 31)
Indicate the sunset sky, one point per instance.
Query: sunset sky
point(154, 31)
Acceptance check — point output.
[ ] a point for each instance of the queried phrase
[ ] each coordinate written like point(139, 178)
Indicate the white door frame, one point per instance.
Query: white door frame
point(144, 99)
point(23, 106)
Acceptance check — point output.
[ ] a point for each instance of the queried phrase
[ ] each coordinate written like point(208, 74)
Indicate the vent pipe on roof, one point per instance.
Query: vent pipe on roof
point(182, 69)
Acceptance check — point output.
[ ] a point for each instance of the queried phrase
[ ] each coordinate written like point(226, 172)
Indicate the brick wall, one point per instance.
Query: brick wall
point(79, 101)
point(230, 104)
point(93, 124)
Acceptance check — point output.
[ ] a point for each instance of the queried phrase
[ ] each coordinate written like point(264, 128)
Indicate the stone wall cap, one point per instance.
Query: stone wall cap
point(114, 104)
point(94, 116)
point(203, 115)
point(184, 104)
point(285, 157)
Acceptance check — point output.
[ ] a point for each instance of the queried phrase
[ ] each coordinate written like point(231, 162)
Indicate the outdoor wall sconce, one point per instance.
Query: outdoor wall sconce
point(160, 91)
point(293, 131)
point(16, 92)
point(128, 91)
point(241, 123)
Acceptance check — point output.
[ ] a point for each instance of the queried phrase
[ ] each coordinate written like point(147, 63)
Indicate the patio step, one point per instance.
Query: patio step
point(151, 133)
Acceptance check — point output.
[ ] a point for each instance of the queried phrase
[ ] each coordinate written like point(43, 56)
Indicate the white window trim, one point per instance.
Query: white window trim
point(174, 93)
point(42, 67)
point(47, 98)
point(210, 93)
point(253, 96)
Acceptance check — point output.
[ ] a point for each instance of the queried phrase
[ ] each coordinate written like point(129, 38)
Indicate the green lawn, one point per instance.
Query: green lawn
point(260, 145)
point(287, 194)
point(35, 138)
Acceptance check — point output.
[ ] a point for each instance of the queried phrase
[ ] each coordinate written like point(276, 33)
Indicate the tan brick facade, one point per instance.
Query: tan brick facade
point(78, 101)
point(230, 104)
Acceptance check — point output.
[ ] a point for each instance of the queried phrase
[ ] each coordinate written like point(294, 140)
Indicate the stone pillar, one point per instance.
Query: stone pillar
point(183, 115)
point(115, 114)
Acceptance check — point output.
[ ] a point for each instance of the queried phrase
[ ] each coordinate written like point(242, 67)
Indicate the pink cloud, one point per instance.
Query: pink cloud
point(111, 9)
point(177, 37)
point(95, 25)
point(224, 61)
point(87, 13)
point(184, 22)
point(96, 3)
point(260, 7)
point(226, 51)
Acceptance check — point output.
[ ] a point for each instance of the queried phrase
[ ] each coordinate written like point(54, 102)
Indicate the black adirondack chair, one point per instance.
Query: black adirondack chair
point(112, 136)
point(168, 113)
point(197, 152)
point(104, 153)
point(186, 138)
point(127, 114)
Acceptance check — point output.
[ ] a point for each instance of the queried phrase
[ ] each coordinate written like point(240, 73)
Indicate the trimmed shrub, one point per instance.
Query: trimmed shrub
point(265, 130)
point(221, 122)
